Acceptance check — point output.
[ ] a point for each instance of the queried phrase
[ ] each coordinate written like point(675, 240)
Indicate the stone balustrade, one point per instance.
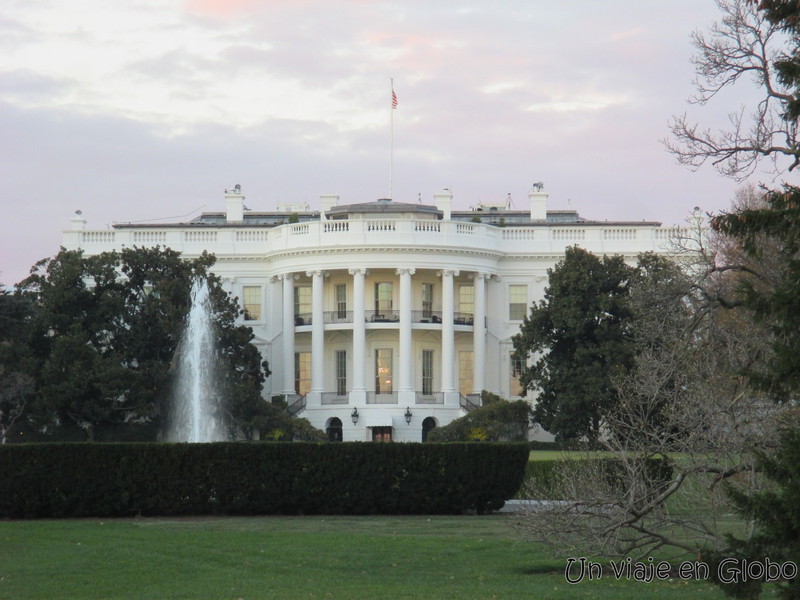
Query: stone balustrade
point(375, 233)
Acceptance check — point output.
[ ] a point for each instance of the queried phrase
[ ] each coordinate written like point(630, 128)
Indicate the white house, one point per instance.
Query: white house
point(382, 320)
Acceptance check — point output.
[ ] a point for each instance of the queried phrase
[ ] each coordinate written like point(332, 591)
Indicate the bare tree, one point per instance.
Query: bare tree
point(685, 423)
point(742, 45)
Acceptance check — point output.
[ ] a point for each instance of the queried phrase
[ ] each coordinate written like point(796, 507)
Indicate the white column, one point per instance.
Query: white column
point(317, 333)
point(479, 335)
point(359, 387)
point(288, 333)
point(448, 334)
point(406, 353)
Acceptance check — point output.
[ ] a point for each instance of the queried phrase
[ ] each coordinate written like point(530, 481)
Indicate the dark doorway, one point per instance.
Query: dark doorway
point(334, 430)
point(428, 425)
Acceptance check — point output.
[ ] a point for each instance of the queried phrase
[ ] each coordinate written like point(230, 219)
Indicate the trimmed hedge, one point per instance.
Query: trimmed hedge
point(117, 480)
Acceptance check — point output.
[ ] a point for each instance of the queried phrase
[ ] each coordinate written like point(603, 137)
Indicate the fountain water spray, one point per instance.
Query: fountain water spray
point(195, 404)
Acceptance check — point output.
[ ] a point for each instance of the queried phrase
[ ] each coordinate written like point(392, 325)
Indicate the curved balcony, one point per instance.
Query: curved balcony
point(333, 317)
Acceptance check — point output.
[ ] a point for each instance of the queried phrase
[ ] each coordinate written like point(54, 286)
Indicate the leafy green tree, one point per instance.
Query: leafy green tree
point(15, 384)
point(577, 339)
point(104, 331)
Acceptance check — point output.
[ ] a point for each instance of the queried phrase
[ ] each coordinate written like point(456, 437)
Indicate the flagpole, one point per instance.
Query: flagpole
point(391, 138)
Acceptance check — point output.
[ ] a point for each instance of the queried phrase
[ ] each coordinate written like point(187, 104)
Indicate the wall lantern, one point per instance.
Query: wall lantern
point(408, 416)
point(354, 416)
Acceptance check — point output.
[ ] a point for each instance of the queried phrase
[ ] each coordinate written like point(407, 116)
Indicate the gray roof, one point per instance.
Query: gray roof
point(384, 205)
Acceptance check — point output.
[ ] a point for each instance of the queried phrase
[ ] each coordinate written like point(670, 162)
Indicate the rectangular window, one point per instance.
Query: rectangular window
point(517, 302)
point(302, 304)
point(341, 372)
point(466, 299)
point(427, 372)
point(465, 372)
point(383, 370)
point(251, 300)
point(383, 297)
point(302, 372)
point(341, 300)
point(515, 387)
point(427, 300)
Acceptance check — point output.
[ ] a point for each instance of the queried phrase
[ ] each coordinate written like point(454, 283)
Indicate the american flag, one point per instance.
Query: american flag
point(394, 99)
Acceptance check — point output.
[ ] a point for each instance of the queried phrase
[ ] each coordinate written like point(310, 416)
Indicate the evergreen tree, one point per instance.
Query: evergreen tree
point(15, 384)
point(104, 330)
point(775, 510)
point(577, 339)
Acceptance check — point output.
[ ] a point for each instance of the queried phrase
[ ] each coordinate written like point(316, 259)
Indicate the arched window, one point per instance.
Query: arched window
point(427, 426)
point(334, 429)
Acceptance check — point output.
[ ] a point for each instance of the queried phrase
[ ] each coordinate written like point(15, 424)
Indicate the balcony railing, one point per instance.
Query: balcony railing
point(385, 316)
point(338, 316)
point(334, 398)
point(381, 397)
point(302, 319)
point(426, 316)
point(430, 398)
point(382, 316)
point(461, 318)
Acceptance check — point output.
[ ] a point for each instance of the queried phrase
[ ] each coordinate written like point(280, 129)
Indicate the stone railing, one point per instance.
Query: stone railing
point(380, 233)
point(381, 397)
point(334, 398)
point(431, 398)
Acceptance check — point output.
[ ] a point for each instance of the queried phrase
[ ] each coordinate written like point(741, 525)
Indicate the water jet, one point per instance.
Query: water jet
point(195, 407)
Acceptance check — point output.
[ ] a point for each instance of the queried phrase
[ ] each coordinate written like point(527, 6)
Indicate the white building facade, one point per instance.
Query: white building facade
point(383, 320)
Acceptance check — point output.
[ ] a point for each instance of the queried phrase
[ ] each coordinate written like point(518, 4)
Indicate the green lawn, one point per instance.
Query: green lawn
point(295, 557)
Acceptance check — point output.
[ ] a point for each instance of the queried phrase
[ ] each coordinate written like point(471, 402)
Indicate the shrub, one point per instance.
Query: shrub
point(497, 419)
point(117, 480)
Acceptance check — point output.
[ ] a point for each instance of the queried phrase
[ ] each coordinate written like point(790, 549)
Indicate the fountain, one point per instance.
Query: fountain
point(195, 401)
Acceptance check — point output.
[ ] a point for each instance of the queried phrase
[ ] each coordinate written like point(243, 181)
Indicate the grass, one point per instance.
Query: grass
point(462, 557)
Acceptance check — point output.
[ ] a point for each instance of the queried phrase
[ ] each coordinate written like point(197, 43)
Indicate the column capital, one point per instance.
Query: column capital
point(317, 273)
point(449, 273)
point(285, 276)
point(405, 270)
point(358, 271)
point(480, 275)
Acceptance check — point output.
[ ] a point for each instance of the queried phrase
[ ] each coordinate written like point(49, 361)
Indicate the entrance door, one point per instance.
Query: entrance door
point(381, 434)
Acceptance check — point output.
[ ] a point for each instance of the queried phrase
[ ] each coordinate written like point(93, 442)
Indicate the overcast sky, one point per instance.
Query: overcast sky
point(134, 110)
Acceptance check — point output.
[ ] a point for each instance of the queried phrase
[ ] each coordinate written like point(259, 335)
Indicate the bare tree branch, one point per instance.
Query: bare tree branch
point(742, 43)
